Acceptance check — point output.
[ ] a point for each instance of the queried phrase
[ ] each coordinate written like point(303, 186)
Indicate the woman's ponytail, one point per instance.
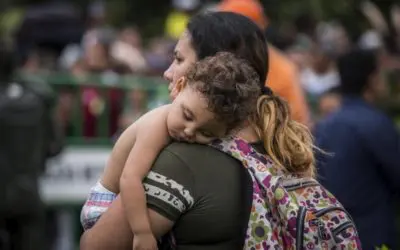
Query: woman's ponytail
point(287, 142)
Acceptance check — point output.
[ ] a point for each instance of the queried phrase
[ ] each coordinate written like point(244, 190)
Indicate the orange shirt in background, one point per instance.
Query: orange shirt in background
point(283, 79)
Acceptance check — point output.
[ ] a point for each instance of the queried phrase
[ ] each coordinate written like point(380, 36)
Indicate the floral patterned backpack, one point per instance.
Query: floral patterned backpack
point(290, 213)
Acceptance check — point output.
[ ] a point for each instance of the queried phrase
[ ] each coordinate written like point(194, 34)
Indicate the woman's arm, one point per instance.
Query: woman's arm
point(112, 230)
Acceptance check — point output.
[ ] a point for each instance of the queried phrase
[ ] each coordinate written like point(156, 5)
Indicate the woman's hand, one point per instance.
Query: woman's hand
point(144, 241)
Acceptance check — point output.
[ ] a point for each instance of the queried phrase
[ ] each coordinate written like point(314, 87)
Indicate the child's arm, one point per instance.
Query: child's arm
point(151, 137)
point(116, 162)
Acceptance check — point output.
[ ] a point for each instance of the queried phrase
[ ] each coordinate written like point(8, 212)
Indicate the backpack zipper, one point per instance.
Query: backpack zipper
point(341, 228)
point(329, 209)
point(337, 230)
point(300, 185)
point(300, 227)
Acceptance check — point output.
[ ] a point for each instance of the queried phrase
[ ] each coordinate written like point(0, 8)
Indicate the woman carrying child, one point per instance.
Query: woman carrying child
point(200, 194)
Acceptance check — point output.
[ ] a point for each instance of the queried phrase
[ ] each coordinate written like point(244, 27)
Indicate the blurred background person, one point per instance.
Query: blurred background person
point(103, 61)
point(28, 137)
point(128, 50)
point(362, 168)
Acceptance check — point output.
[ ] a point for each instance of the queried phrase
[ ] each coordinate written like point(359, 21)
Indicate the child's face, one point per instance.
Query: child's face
point(190, 120)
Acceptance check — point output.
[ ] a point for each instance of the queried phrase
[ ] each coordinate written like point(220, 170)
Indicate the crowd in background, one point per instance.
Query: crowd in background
point(309, 49)
point(311, 45)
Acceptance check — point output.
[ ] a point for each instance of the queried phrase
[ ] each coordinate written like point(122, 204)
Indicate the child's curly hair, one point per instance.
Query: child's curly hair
point(230, 86)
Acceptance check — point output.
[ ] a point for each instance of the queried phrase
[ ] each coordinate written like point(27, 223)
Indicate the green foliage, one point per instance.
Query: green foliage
point(383, 247)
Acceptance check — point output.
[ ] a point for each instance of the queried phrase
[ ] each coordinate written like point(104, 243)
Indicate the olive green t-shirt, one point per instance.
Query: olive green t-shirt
point(206, 192)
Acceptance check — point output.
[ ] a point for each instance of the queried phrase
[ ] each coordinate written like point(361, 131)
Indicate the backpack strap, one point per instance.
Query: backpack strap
point(259, 166)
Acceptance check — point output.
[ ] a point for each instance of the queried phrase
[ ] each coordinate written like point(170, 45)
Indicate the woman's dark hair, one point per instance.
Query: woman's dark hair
point(215, 32)
point(287, 142)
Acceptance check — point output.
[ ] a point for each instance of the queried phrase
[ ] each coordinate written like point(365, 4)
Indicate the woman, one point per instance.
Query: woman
point(200, 194)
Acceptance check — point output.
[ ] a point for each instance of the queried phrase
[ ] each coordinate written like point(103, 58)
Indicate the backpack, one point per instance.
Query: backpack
point(289, 212)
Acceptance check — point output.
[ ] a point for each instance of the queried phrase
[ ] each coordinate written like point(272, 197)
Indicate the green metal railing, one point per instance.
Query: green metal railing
point(108, 86)
point(107, 93)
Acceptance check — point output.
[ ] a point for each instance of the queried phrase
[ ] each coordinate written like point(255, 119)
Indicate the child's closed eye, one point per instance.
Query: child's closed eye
point(207, 134)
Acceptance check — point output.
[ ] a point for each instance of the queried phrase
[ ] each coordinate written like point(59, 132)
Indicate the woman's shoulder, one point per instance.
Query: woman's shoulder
point(190, 151)
point(186, 150)
point(198, 158)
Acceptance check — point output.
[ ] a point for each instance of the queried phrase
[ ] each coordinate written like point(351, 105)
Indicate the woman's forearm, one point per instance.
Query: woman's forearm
point(110, 232)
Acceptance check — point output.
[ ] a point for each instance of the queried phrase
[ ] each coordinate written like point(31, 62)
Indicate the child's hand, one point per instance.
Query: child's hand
point(144, 241)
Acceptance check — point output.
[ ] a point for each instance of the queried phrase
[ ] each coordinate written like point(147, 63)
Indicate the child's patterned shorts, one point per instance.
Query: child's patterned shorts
point(100, 198)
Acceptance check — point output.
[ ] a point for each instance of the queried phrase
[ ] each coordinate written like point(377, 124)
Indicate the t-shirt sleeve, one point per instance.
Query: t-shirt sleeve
point(169, 186)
